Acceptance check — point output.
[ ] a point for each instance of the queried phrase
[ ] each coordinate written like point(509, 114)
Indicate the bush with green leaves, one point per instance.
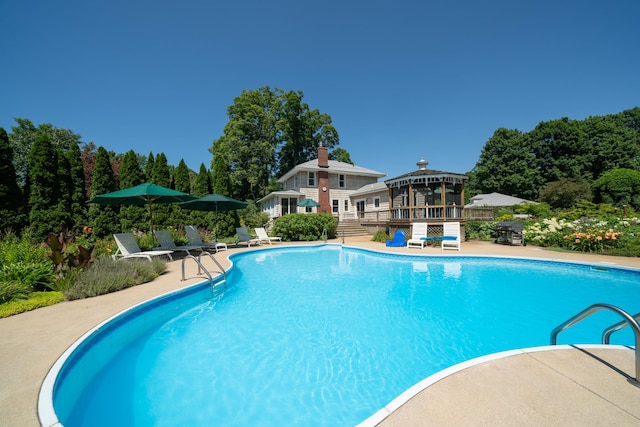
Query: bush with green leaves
point(35, 300)
point(107, 275)
point(305, 227)
point(480, 230)
point(381, 236)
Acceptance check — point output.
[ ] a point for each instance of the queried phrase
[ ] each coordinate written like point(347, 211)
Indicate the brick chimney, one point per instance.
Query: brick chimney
point(323, 180)
point(323, 157)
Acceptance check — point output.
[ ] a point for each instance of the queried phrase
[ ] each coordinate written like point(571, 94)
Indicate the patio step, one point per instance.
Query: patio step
point(351, 228)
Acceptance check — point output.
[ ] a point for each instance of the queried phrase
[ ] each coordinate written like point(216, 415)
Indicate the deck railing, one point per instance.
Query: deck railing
point(427, 212)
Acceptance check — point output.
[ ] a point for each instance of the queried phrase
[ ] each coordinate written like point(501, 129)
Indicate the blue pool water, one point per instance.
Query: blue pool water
point(326, 336)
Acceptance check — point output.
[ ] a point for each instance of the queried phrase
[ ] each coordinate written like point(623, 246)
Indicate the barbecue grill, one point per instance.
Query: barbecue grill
point(510, 233)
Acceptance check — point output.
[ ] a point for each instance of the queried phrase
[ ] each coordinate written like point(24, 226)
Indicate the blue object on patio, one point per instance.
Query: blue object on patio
point(398, 239)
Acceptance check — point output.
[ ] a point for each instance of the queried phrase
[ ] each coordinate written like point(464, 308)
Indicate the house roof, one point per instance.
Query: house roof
point(282, 193)
point(494, 199)
point(335, 167)
point(376, 187)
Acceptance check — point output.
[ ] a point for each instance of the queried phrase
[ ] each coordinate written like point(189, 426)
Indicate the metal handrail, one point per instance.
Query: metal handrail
point(606, 334)
point(222, 270)
point(628, 319)
point(201, 268)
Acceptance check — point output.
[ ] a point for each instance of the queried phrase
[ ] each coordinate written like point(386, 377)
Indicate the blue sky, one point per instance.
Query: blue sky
point(400, 79)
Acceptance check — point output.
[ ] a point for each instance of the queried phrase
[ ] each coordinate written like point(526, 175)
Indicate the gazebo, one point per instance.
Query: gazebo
point(425, 195)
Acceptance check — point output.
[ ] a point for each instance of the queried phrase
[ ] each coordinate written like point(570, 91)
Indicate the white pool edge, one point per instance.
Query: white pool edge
point(414, 390)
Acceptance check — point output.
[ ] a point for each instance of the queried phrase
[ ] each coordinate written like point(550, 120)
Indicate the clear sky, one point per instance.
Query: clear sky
point(400, 79)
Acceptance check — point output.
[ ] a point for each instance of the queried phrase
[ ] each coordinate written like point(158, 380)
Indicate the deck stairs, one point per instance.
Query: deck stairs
point(350, 228)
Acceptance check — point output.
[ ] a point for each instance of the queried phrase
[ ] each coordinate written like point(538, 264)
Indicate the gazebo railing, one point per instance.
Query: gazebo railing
point(427, 212)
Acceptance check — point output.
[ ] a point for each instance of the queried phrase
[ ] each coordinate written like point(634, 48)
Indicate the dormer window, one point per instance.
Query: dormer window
point(311, 179)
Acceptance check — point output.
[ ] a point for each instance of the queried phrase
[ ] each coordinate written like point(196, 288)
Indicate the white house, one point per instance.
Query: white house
point(330, 183)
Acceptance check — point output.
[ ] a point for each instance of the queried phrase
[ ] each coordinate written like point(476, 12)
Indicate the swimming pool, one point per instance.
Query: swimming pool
point(332, 340)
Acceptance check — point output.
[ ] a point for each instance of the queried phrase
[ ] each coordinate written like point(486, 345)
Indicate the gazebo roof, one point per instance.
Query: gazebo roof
point(425, 176)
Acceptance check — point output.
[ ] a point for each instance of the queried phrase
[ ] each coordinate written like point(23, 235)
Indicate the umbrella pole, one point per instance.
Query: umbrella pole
point(153, 239)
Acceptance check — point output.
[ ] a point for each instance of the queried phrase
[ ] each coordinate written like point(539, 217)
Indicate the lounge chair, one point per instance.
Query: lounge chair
point(167, 243)
point(195, 240)
point(128, 248)
point(243, 237)
point(418, 235)
point(398, 240)
point(451, 235)
point(263, 237)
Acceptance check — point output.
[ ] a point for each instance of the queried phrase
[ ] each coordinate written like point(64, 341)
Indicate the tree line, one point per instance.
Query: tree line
point(564, 161)
point(48, 174)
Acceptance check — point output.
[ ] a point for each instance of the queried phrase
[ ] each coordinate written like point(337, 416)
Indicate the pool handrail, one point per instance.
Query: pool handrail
point(628, 319)
point(606, 334)
point(202, 268)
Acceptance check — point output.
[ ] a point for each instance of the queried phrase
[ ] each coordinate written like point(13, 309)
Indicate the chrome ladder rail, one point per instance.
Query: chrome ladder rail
point(628, 320)
point(202, 268)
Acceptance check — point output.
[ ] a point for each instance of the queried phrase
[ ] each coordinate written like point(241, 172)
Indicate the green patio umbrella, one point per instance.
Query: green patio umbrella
point(214, 203)
point(308, 203)
point(140, 195)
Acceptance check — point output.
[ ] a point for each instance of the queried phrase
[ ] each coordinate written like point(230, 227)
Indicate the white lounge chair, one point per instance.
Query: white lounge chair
point(451, 235)
point(167, 243)
point(194, 239)
point(264, 237)
point(128, 248)
point(243, 237)
point(418, 235)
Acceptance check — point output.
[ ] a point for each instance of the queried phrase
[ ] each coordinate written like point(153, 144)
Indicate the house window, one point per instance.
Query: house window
point(295, 181)
point(346, 206)
point(342, 182)
point(376, 202)
point(311, 179)
point(335, 206)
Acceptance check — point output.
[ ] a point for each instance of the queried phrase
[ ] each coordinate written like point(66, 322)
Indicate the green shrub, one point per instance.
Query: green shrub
point(480, 230)
point(30, 275)
point(107, 275)
point(13, 291)
point(381, 236)
point(35, 300)
point(305, 227)
point(20, 249)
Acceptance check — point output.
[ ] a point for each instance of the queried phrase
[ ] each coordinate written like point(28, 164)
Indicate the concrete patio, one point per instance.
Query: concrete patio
point(565, 386)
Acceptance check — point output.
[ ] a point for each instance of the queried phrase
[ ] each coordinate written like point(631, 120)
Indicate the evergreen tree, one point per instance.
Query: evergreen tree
point(181, 178)
point(161, 176)
point(65, 190)
point(104, 219)
point(132, 217)
point(202, 187)
point(149, 168)
point(182, 183)
point(226, 222)
point(78, 210)
point(11, 205)
point(43, 188)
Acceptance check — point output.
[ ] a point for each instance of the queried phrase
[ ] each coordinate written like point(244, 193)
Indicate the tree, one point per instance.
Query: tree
point(132, 217)
point(618, 187)
point(565, 193)
point(303, 131)
point(506, 165)
point(269, 131)
point(43, 188)
point(225, 222)
point(78, 196)
point(181, 178)
point(105, 219)
point(202, 187)
point(149, 168)
point(11, 205)
point(341, 155)
point(161, 176)
point(65, 190)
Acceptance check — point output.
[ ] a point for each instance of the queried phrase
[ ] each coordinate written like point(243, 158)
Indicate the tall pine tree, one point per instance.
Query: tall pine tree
point(43, 188)
point(149, 168)
point(104, 219)
point(202, 187)
point(79, 197)
point(161, 176)
point(182, 183)
point(11, 205)
point(132, 217)
point(226, 222)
